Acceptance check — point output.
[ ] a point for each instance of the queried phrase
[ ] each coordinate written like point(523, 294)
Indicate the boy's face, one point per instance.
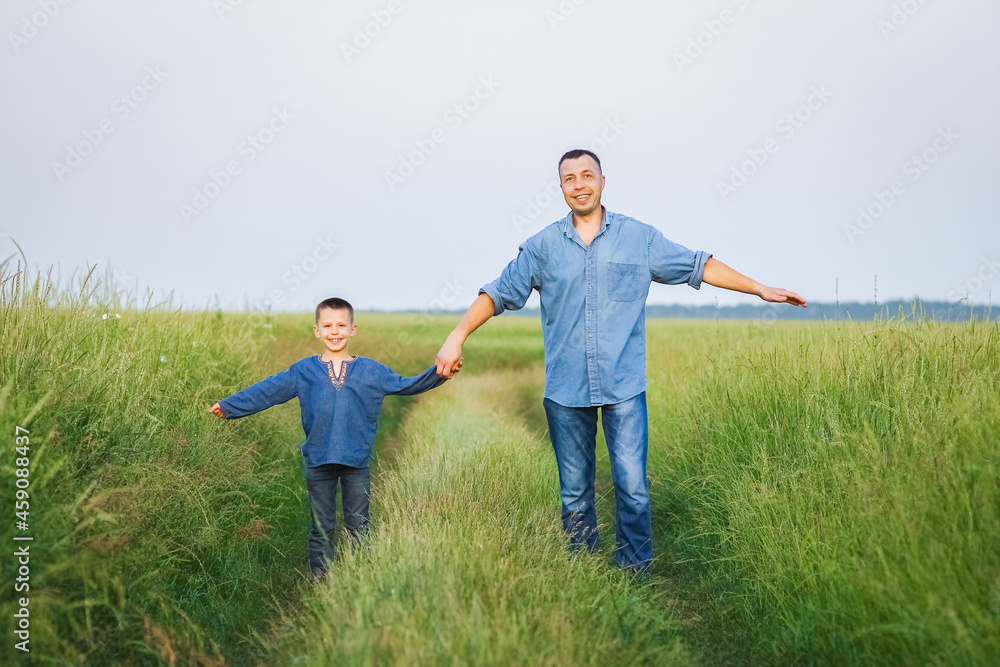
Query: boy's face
point(335, 328)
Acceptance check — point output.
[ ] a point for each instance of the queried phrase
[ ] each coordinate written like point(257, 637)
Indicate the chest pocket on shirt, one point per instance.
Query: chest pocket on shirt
point(624, 281)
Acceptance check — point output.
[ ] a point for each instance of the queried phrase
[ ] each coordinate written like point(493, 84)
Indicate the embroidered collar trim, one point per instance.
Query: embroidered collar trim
point(338, 380)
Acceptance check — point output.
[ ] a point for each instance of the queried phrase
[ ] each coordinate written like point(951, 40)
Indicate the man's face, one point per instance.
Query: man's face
point(335, 328)
point(582, 183)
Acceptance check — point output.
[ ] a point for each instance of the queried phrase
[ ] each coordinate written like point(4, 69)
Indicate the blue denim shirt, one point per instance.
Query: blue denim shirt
point(339, 423)
point(593, 302)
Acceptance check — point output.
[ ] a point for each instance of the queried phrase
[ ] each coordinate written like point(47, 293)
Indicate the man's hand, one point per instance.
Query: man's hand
point(449, 357)
point(718, 274)
point(778, 295)
point(217, 411)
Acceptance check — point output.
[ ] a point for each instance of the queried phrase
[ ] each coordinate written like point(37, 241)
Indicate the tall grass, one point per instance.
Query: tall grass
point(468, 564)
point(822, 494)
point(158, 533)
point(831, 492)
point(161, 535)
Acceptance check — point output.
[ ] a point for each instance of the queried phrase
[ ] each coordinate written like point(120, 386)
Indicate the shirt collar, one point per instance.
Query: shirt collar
point(568, 228)
point(351, 359)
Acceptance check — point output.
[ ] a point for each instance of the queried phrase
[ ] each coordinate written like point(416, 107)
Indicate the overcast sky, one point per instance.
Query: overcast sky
point(396, 153)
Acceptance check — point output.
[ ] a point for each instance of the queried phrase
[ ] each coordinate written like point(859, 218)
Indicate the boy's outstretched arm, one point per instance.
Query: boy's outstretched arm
point(276, 389)
point(394, 383)
point(449, 357)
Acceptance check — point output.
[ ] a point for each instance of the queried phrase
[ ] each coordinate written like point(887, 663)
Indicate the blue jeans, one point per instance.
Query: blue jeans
point(573, 432)
point(321, 482)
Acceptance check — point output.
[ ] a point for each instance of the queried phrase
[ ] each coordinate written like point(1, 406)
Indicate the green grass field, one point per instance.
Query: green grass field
point(823, 494)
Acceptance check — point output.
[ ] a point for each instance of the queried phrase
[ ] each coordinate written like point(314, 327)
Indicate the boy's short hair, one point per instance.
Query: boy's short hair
point(335, 303)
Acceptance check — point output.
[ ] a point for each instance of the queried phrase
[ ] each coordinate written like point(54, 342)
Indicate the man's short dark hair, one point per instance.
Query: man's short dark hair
point(579, 152)
point(335, 303)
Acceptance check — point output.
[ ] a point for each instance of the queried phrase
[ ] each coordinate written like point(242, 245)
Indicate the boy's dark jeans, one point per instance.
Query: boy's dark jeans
point(321, 482)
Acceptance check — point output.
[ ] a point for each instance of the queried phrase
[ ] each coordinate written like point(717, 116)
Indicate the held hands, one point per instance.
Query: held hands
point(778, 295)
point(217, 411)
point(449, 358)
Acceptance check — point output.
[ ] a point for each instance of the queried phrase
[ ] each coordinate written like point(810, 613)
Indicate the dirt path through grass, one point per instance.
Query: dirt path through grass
point(468, 563)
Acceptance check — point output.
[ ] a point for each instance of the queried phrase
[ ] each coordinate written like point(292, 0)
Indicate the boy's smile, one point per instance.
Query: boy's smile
point(335, 328)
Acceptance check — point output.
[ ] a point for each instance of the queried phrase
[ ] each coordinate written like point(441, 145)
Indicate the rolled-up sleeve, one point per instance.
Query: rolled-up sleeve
point(511, 290)
point(672, 264)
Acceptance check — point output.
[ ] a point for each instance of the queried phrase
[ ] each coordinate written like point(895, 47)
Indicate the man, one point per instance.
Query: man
point(592, 271)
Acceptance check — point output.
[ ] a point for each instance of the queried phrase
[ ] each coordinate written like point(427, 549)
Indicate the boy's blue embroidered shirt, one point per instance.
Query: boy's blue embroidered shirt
point(339, 423)
point(593, 302)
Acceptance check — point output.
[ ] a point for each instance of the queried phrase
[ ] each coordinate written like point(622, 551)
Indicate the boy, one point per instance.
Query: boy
point(340, 396)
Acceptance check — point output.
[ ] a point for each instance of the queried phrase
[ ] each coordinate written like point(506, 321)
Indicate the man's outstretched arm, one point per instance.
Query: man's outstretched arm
point(450, 355)
point(720, 275)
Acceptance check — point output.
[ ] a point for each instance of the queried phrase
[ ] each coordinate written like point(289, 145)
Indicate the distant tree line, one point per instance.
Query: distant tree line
point(941, 311)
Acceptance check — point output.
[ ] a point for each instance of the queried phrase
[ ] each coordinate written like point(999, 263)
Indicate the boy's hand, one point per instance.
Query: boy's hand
point(217, 411)
point(449, 358)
